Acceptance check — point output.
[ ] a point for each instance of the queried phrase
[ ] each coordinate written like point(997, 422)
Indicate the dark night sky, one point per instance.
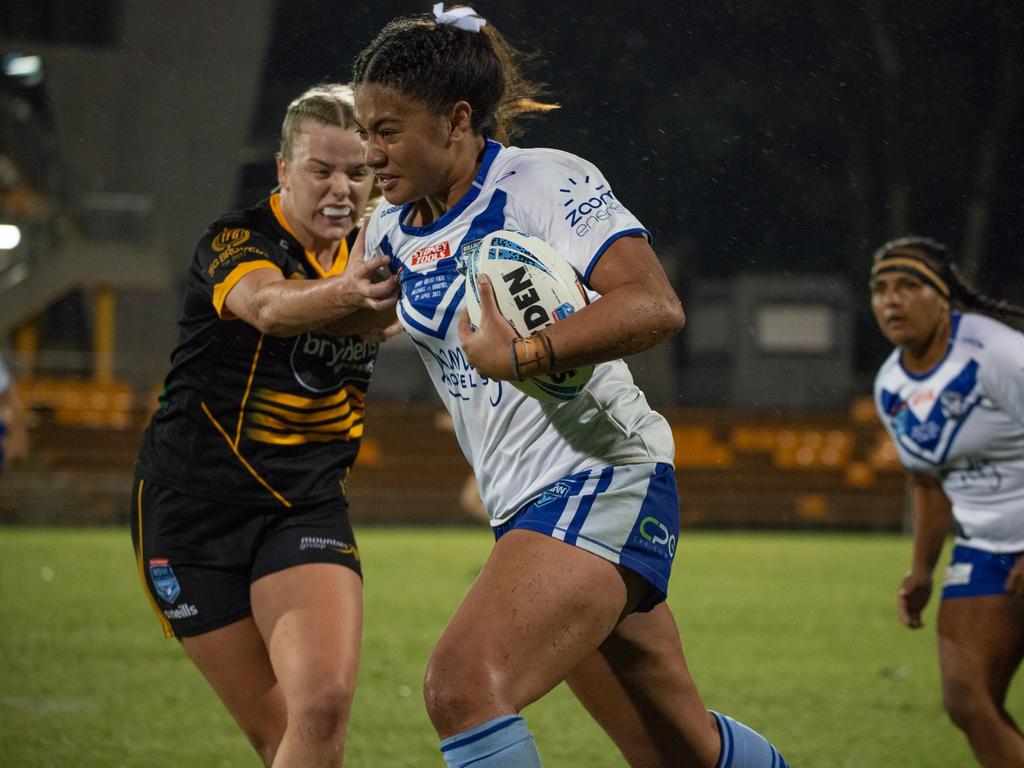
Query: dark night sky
point(722, 125)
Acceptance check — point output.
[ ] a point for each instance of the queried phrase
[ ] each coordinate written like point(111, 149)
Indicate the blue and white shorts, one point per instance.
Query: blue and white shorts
point(627, 514)
point(975, 572)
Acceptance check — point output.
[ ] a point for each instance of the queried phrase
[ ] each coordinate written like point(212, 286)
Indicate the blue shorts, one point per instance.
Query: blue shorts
point(627, 514)
point(3, 431)
point(975, 572)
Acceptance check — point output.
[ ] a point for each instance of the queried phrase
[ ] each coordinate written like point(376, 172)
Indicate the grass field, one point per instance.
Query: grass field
point(794, 634)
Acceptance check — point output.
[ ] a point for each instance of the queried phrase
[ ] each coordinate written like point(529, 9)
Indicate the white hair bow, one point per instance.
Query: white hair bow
point(462, 17)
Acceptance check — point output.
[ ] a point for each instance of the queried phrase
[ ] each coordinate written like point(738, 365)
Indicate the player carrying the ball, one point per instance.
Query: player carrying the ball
point(581, 494)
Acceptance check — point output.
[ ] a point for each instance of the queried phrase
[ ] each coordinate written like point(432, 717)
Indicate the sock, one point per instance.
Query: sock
point(745, 748)
point(504, 742)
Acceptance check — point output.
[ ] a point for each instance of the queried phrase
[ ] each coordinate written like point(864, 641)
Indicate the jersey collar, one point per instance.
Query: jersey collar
point(954, 326)
point(340, 258)
point(491, 149)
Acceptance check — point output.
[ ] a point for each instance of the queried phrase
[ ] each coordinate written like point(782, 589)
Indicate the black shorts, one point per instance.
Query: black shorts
point(197, 558)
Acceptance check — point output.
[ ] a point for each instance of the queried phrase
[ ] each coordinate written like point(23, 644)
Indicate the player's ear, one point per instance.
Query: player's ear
point(282, 170)
point(460, 120)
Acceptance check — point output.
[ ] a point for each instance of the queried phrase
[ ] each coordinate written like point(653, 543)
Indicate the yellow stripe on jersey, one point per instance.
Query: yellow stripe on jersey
point(304, 420)
point(340, 258)
point(248, 388)
point(340, 430)
point(285, 419)
point(276, 438)
point(284, 399)
point(223, 288)
point(140, 559)
point(241, 458)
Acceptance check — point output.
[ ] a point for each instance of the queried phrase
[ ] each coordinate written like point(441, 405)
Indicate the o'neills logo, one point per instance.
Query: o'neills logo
point(431, 254)
point(229, 238)
point(186, 611)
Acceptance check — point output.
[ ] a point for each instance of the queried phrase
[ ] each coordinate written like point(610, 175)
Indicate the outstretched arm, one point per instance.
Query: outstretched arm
point(280, 307)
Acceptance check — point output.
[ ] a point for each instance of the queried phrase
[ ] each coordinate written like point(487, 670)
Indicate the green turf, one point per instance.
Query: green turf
point(794, 634)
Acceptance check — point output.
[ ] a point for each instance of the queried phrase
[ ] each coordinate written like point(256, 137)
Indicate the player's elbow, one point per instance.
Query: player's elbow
point(671, 317)
point(264, 315)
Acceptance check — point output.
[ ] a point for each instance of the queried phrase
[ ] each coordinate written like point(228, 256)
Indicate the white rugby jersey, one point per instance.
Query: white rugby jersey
point(517, 445)
point(963, 422)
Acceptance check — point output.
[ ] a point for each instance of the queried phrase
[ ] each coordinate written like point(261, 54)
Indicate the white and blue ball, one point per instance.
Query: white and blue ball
point(534, 287)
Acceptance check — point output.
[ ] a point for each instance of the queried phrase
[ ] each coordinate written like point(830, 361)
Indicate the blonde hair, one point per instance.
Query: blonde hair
point(327, 104)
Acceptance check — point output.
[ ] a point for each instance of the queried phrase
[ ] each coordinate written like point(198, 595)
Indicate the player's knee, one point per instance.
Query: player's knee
point(965, 702)
point(323, 709)
point(458, 692)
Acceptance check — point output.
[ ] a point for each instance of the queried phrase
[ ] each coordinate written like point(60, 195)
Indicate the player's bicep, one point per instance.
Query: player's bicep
point(234, 297)
point(630, 262)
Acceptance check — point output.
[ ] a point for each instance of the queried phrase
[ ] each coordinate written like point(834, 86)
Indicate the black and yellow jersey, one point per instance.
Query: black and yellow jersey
point(248, 417)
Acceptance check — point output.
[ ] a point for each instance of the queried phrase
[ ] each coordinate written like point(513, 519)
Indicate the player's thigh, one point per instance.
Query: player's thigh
point(234, 661)
point(307, 599)
point(311, 617)
point(981, 641)
point(536, 610)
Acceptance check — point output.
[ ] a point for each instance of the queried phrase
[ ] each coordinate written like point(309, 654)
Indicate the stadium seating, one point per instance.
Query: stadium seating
point(734, 468)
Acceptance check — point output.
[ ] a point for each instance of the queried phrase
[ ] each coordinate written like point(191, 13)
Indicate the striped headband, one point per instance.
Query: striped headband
point(910, 263)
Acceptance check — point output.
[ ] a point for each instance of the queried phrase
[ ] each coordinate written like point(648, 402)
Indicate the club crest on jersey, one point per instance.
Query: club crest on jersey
point(467, 253)
point(557, 491)
point(952, 403)
point(164, 581)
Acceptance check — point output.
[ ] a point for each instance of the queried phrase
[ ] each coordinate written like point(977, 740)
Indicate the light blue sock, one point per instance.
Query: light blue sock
point(745, 748)
point(504, 742)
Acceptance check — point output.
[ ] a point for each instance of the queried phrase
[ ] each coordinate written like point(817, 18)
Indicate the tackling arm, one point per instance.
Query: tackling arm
point(280, 307)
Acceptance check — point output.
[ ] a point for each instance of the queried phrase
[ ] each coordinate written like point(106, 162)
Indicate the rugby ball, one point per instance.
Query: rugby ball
point(534, 287)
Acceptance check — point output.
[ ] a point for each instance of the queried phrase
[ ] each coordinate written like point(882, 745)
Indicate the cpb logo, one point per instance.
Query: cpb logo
point(656, 532)
point(229, 238)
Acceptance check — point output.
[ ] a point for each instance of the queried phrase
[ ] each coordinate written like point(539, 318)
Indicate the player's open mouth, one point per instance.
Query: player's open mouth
point(386, 182)
point(336, 211)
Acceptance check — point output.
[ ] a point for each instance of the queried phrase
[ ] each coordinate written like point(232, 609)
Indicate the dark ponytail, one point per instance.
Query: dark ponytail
point(440, 64)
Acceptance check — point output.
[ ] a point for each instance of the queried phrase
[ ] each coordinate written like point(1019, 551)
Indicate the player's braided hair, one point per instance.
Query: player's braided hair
point(327, 104)
point(962, 295)
point(440, 64)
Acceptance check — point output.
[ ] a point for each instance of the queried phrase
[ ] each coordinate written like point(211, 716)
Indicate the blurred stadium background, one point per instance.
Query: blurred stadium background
point(770, 148)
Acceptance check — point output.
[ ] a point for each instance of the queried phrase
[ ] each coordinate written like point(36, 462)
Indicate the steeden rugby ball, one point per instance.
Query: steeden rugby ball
point(534, 287)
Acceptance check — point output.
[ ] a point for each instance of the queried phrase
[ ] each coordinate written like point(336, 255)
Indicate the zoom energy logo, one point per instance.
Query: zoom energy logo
point(588, 205)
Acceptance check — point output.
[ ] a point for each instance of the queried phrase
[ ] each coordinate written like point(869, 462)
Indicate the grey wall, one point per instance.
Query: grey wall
point(165, 113)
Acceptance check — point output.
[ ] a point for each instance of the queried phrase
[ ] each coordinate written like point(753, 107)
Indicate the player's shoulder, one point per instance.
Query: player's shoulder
point(888, 371)
point(515, 166)
point(986, 333)
point(254, 225)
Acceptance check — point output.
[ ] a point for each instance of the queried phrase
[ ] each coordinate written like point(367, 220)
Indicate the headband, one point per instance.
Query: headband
point(910, 263)
point(463, 17)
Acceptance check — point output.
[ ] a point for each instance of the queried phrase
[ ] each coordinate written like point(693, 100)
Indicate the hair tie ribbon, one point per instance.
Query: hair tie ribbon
point(463, 17)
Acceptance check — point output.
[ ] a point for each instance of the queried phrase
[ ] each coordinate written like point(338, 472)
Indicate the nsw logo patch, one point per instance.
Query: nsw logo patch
point(557, 491)
point(164, 581)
